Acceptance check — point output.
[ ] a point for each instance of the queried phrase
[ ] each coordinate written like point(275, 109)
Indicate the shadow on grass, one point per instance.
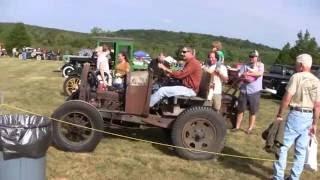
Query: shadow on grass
point(277, 101)
point(63, 94)
point(267, 96)
point(158, 135)
point(247, 166)
point(274, 99)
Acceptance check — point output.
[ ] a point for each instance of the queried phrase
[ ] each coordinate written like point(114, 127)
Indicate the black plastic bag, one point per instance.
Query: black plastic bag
point(24, 136)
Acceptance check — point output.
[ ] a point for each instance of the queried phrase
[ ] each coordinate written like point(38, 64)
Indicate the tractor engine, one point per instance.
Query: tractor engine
point(111, 100)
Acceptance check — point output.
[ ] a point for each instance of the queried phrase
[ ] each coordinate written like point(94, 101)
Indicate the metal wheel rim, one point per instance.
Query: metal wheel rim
point(199, 134)
point(72, 85)
point(75, 135)
point(67, 70)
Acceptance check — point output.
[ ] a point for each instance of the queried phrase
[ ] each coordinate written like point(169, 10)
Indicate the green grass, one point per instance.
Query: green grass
point(34, 86)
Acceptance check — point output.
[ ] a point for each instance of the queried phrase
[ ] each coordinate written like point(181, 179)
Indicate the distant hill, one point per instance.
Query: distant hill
point(152, 41)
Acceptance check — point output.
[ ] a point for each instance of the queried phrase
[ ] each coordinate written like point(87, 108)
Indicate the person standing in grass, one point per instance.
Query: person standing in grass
point(303, 98)
point(219, 74)
point(250, 90)
point(216, 47)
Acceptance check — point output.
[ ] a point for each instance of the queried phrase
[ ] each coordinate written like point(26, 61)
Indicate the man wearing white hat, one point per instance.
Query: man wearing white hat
point(303, 98)
point(249, 97)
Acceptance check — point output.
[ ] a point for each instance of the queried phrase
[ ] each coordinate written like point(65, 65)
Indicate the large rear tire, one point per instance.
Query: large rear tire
point(72, 138)
point(199, 128)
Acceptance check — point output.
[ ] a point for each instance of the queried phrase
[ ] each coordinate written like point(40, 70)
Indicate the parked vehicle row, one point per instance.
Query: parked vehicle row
point(32, 53)
point(276, 80)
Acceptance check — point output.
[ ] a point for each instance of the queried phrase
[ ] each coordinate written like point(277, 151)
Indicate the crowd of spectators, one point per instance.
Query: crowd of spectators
point(302, 97)
point(36, 53)
point(3, 51)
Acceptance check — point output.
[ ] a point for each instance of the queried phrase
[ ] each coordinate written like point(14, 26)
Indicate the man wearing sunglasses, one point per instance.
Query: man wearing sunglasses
point(249, 97)
point(190, 76)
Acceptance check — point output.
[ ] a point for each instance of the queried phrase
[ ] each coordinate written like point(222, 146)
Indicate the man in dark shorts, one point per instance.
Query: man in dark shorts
point(250, 88)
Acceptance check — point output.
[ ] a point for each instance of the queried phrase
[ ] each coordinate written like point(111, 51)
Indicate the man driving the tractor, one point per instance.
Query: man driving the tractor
point(190, 76)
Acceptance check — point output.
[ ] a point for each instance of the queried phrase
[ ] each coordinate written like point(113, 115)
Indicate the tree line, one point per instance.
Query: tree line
point(153, 41)
point(304, 44)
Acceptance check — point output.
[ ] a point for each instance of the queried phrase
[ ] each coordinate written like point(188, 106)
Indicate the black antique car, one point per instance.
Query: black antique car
point(277, 78)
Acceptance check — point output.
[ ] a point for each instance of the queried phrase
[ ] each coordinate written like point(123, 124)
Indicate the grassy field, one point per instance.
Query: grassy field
point(37, 86)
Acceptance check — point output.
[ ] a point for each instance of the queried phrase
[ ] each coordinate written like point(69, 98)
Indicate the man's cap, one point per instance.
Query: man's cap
point(305, 59)
point(254, 53)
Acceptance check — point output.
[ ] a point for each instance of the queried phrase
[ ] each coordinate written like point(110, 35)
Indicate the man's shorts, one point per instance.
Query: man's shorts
point(250, 101)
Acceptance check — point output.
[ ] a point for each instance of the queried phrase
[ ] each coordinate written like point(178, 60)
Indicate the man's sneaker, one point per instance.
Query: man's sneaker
point(235, 130)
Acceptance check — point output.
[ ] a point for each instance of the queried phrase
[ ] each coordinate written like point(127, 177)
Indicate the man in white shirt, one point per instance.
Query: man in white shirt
point(219, 74)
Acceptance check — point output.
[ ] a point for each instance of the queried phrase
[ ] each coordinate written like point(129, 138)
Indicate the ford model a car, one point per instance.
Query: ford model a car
point(191, 121)
point(116, 45)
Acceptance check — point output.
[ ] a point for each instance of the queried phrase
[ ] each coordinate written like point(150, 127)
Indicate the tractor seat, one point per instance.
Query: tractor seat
point(203, 89)
point(194, 98)
point(204, 85)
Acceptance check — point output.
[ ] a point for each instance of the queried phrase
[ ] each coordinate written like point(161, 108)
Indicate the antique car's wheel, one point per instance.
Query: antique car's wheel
point(71, 84)
point(281, 90)
point(72, 138)
point(199, 128)
point(67, 70)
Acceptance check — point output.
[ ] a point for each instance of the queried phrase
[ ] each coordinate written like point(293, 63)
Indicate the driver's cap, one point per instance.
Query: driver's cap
point(254, 53)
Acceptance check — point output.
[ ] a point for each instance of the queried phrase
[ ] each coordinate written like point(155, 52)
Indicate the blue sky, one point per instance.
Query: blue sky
point(270, 22)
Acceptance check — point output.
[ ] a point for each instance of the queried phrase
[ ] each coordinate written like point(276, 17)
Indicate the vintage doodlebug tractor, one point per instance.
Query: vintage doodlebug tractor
point(191, 123)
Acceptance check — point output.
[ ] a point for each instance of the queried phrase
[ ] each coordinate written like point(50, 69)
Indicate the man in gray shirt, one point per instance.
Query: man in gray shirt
point(251, 75)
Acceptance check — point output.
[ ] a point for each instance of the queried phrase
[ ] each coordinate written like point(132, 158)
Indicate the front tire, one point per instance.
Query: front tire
point(199, 128)
point(72, 138)
point(67, 70)
point(71, 84)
